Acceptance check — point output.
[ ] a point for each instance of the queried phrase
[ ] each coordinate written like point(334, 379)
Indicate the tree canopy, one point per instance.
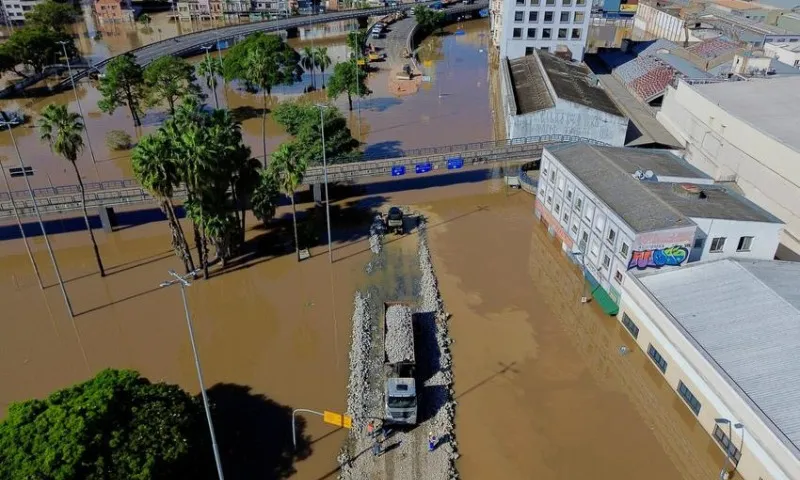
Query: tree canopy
point(169, 79)
point(34, 48)
point(51, 15)
point(282, 62)
point(429, 19)
point(356, 39)
point(123, 85)
point(116, 425)
point(348, 78)
point(302, 121)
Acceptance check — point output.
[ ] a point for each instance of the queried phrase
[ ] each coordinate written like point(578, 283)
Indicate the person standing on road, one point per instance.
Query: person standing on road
point(371, 429)
point(431, 441)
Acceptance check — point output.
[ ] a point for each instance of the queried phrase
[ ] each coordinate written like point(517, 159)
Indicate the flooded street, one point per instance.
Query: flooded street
point(452, 108)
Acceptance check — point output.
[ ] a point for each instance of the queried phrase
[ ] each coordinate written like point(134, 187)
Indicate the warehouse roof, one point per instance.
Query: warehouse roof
point(709, 201)
point(768, 105)
point(538, 79)
point(715, 305)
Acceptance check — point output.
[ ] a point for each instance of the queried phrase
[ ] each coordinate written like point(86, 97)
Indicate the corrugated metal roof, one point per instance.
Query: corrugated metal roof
point(745, 317)
point(530, 90)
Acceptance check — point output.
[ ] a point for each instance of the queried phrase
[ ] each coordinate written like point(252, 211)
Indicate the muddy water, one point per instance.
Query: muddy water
point(452, 108)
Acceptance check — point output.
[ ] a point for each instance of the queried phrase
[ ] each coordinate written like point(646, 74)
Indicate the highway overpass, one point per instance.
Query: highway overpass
point(125, 192)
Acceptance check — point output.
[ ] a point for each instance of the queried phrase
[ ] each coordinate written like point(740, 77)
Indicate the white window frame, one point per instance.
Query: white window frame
point(599, 223)
point(619, 276)
point(720, 245)
point(562, 182)
point(570, 191)
point(594, 248)
point(611, 236)
point(626, 248)
point(606, 263)
point(578, 203)
point(576, 226)
point(588, 213)
point(745, 243)
point(557, 208)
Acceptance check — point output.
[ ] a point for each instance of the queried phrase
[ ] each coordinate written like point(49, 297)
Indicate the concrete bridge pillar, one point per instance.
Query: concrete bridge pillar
point(363, 22)
point(292, 32)
point(108, 219)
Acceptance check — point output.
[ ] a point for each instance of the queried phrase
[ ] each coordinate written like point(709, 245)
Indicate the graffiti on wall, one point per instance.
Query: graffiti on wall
point(670, 257)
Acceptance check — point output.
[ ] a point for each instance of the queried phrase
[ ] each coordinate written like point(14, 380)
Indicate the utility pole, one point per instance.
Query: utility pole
point(214, 82)
point(183, 283)
point(19, 222)
point(325, 176)
point(44, 232)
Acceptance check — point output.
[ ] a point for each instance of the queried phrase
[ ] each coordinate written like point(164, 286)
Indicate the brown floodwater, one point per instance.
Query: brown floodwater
point(542, 390)
point(452, 108)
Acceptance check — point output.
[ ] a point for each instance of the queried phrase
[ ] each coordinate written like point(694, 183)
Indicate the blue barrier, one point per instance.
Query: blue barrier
point(398, 170)
point(423, 167)
point(455, 162)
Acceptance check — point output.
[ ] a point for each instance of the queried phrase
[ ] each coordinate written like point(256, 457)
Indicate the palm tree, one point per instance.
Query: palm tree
point(308, 61)
point(211, 68)
point(259, 69)
point(62, 130)
point(156, 171)
point(323, 61)
point(288, 165)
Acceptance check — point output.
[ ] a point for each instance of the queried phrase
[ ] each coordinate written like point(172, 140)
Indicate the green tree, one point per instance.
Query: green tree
point(168, 79)
point(145, 19)
point(122, 85)
point(262, 62)
point(308, 62)
point(264, 199)
point(210, 68)
point(323, 61)
point(116, 425)
point(155, 169)
point(51, 15)
point(302, 120)
point(288, 166)
point(428, 19)
point(356, 39)
point(34, 48)
point(348, 78)
point(63, 131)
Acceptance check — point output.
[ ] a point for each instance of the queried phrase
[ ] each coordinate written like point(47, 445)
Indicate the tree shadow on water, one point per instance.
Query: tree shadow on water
point(245, 112)
point(254, 434)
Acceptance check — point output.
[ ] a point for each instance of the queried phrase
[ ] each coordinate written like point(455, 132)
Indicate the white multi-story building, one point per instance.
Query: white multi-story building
point(620, 209)
point(15, 10)
point(788, 53)
point(543, 24)
point(745, 132)
point(545, 95)
point(725, 336)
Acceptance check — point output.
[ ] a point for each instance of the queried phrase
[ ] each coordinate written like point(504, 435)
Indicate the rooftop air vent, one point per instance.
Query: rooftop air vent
point(689, 190)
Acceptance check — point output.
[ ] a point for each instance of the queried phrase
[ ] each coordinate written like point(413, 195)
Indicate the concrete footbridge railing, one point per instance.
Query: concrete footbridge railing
point(411, 163)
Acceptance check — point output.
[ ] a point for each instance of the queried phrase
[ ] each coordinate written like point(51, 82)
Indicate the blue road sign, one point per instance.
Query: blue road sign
point(398, 170)
point(455, 162)
point(423, 167)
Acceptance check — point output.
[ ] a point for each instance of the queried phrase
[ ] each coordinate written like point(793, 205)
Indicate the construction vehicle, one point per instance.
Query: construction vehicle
point(394, 220)
point(375, 57)
point(399, 365)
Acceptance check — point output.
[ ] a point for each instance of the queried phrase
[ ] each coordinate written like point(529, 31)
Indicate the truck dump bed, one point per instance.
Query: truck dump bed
point(398, 334)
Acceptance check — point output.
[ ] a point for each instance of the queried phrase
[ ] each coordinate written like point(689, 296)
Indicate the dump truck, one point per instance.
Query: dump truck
point(399, 365)
point(394, 220)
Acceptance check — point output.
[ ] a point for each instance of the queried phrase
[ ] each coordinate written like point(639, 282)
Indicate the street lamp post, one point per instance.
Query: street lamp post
point(584, 280)
point(325, 177)
point(183, 283)
point(724, 474)
point(41, 225)
point(19, 221)
point(78, 102)
point(214, 83)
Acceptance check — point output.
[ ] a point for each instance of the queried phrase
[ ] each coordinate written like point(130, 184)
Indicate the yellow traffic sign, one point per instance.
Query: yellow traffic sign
point(347, 421)
point(332, 417)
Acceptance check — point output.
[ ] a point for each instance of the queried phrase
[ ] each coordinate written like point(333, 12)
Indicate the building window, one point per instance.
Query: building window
point(626, 320)
point(549, 199)
point(566, 3)
point(717, 244)
point(531, 34)
point(578, 17)
point(575, 223)
point(534, 3)
point(589, 213)
point(569, 192)
point(557, 208)
point(566, 217)
point(657, 358)
point(550, 2)
point(744, 244)
point(578, 204)
point(548, 17)
point(529, 50)
point(521, 2)
point(612, 235)
point(561, 183)
point(564, 18)
point(726, 444)
point(519, 16)
point(533, 17)
point(606, 261)
point(553, 177)
point(689, 398)
point(576, 33)
point(517, 33)
point(584, 240)
point(698, 242)
point(618, 277)
point(594, 248)
point(580, 3)
point(599, 224)
point(623, 250)
point(562, 33)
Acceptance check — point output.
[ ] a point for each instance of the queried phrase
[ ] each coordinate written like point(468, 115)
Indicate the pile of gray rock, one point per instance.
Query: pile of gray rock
point(399, 342)
point(358, 384)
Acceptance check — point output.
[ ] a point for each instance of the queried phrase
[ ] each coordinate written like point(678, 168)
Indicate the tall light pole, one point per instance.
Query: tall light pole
point(19, 222)
point(724, 474)
point(44, 232)
point(322, 108)
point(183, 282)
point(584, 280)
point(214, 82)
point(80, 110)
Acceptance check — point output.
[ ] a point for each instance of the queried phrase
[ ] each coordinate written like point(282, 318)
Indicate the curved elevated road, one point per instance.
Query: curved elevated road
point(67, 198)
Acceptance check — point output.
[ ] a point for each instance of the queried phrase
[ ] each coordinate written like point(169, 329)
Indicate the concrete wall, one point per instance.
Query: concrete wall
point(516, 47)
point(721, 145)
point(569, 118)
point(658, 23)
point(766, 237)
point(783, 55)
point(763, 454)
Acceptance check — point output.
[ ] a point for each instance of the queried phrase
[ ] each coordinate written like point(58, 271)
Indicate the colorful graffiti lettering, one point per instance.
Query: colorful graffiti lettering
point(670, 256)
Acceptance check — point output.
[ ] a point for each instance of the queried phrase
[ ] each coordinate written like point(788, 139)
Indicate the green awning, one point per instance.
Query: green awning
point(604, 300)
